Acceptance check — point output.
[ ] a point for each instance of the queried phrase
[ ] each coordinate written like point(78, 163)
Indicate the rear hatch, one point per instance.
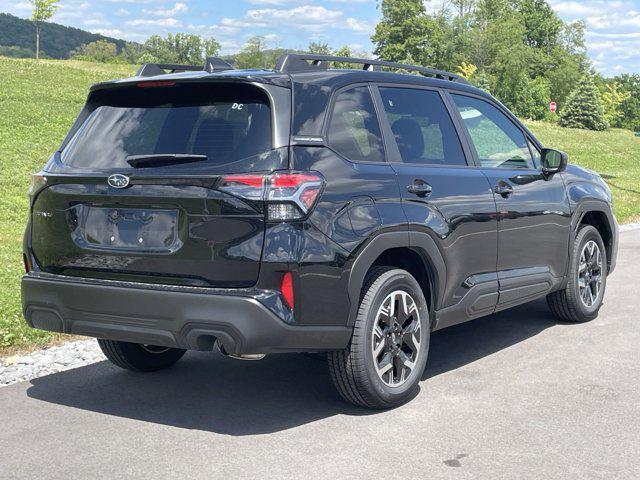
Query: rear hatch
point(137, 193)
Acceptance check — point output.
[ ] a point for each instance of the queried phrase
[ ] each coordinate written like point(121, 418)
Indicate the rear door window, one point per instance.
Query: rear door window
point(422, 127)
point(354, 131)
point(224, 123)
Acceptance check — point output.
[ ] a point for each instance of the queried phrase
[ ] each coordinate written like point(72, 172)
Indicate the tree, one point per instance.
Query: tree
point(464, 7)
point(131, 52)
point(344, 51)
point(523, 51)
point(467, 70)
point(542, 24)
point(318, 48)
point(43, 10)
point(613, 96)
point(630, 108)
point(584, 108)
point(252, 54)
point(533, 102)
point(181, 48)
point(482, 81)
point(99, 51)
point(401, 35)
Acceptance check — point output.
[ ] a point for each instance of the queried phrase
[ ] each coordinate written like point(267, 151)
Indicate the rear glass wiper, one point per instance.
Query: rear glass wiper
point(161, 159)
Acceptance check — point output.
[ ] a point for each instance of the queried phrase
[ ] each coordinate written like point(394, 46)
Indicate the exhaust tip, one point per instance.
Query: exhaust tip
point(249, 356)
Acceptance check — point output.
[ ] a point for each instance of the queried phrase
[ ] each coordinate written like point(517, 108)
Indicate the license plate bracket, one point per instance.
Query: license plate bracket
point(140, 230)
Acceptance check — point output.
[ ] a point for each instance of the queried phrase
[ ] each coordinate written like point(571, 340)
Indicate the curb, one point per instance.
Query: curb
point(629, 226)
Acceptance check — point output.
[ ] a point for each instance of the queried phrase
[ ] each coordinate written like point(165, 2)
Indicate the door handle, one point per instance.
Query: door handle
point(503, 189)
point(420, 188)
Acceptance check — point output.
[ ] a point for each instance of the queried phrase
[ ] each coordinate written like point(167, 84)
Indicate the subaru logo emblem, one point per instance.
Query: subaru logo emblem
point(117, 180)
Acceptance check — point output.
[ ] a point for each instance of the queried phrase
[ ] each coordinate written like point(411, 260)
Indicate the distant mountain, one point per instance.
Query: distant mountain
point(56, 41)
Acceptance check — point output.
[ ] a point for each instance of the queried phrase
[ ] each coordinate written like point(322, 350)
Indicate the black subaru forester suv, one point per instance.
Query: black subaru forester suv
point(305, 209)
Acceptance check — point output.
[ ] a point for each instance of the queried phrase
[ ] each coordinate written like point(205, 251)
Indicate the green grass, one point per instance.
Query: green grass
point(39, 101)
point(614, 154)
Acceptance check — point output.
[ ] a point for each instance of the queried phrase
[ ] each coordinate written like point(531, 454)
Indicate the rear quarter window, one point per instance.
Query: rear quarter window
point(354, 130)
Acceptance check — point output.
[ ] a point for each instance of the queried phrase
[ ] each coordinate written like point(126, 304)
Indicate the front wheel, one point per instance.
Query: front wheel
point(383, 364)
point(138, 357)
point(582, 298)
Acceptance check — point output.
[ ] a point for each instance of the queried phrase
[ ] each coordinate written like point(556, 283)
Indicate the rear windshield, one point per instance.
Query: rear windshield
point(225, 123)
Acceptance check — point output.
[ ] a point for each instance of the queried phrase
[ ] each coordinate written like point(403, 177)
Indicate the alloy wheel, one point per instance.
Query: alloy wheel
point(590, 273)
point(396, 338)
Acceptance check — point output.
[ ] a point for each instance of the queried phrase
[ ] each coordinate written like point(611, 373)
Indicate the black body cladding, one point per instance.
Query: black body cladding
point(409, 180)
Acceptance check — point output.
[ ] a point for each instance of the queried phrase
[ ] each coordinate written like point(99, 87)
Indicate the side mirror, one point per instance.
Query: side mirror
point(554, 161)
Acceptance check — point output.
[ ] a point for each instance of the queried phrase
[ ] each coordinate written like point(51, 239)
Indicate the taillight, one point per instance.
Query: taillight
point(38, 182)
point(245, 186)
point(27, 263)
point(289, 195)
point(286, 288)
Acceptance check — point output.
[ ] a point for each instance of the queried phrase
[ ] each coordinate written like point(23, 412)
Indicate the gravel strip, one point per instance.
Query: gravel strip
point(77, 354)
point(69, 355)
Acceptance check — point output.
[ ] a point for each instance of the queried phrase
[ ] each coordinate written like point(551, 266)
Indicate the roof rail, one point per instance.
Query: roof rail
point(302, 62)
point(212, 64)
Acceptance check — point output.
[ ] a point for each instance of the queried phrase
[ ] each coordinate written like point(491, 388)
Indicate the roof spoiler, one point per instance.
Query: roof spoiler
point(212, 64)
point(301, 62)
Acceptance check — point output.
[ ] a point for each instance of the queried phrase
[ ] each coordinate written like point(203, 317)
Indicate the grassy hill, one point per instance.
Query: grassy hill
point(56, 41)
point(39, 101)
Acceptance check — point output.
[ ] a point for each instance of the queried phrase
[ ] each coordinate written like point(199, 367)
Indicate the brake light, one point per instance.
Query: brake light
point(289, 195)
point(157, 83)
point(286, 288)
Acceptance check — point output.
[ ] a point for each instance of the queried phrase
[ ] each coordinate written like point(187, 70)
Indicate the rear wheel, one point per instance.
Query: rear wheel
point(138, 357)
point(383, 364)
point(582, 298)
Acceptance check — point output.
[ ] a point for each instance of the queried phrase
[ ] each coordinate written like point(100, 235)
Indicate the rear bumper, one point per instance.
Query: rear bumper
point(190, 318)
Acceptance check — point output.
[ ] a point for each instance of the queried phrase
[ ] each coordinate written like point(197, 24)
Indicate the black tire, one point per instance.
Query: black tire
point(566, 304)
point(354, 370)
point(139, 358)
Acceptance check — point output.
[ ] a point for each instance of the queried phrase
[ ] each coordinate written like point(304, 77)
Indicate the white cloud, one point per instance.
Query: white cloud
point(358, 25)
point(314, 20)
point(271, 2)
point(177, 9)
point(160, 22)
point(108, 32)
point(294, 16)
point(577, 9)
point(93, 22)
point(22, 6)
point(613, 31)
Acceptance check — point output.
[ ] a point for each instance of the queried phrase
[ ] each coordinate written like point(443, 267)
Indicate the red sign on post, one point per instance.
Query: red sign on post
point(553, 106)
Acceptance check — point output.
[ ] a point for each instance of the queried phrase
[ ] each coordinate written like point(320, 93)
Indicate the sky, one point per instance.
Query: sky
point(613, 27)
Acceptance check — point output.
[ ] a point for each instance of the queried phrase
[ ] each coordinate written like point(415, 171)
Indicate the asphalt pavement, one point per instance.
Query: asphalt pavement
point(513, 395)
